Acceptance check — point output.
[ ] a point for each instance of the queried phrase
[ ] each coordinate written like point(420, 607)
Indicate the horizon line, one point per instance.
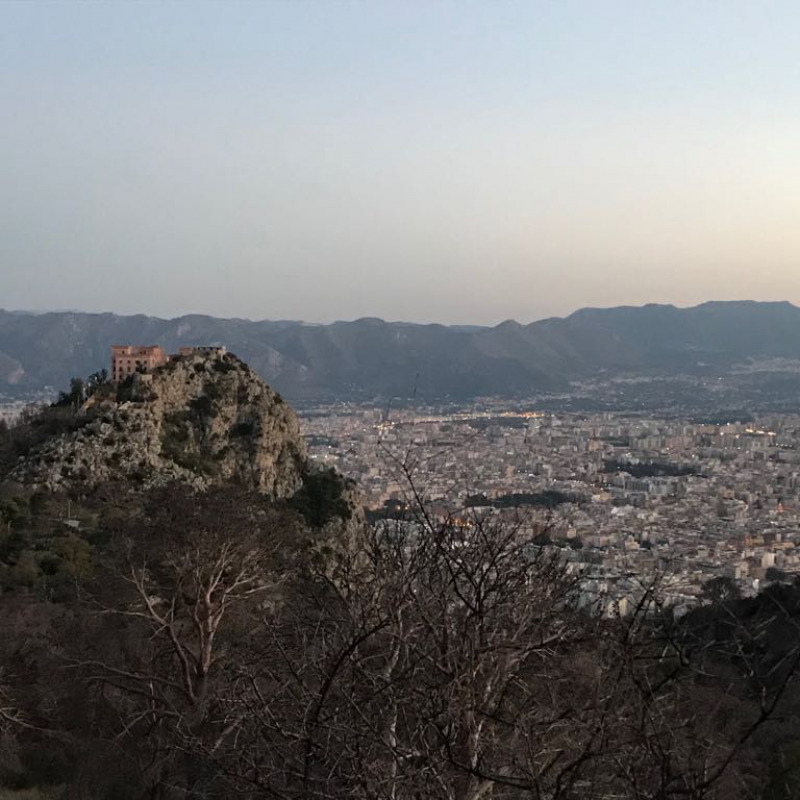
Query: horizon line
point(366, 318)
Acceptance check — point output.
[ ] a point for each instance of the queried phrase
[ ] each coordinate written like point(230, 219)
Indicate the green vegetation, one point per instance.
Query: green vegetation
point(243, 429)
point(322, 498)
point(34, 427)
point(179, 441)
point(37, 425)
point(46, 543)
point(203, 407)
point(550, 498)
point(224, 365)
point(175, 433)
point(179, 446)
point(652, 469)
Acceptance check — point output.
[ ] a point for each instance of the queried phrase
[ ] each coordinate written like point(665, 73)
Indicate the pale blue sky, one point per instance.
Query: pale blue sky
point(453, 162)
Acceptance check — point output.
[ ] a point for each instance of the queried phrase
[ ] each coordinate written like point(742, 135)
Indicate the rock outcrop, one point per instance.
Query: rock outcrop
point(203, 418)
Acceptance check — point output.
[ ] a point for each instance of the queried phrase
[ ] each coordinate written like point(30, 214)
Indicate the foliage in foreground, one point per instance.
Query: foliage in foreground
point(207, 649)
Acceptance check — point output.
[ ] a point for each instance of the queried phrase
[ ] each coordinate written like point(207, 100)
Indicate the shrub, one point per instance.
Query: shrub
point(203, 407)
point(212, 390)
point(322, 498)
point(125, 390)
point(243, 429)
point(221, 365)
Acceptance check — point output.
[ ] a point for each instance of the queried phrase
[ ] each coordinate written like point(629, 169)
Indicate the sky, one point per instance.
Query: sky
point(457, 162)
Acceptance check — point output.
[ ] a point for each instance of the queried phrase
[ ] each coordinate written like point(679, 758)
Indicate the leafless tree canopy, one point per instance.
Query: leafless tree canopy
point(223, 649)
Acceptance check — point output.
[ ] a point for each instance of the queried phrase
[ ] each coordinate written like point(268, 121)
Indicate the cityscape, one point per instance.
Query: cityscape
point(628, 497)
point(656, 486)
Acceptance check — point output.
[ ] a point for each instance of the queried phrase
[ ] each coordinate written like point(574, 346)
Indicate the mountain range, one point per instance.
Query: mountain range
point(372, 358)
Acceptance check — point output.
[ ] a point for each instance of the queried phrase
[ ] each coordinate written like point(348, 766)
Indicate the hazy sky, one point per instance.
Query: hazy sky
point(429, 161)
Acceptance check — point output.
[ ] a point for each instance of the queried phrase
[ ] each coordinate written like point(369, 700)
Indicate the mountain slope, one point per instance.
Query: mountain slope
point(370, 357)
point(200, 419)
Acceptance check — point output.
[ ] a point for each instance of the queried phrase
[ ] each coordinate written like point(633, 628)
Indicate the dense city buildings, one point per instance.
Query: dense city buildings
point(657, 488)
point(628, 497)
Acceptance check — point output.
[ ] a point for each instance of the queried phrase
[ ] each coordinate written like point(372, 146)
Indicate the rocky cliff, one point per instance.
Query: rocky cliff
point(201, 419)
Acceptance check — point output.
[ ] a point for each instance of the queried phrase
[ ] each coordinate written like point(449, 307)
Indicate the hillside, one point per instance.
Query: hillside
point(179, 587)
point(201, 419)
point(370, 357)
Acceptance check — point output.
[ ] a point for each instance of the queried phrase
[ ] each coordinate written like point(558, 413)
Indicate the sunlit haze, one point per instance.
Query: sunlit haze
point(449, 162)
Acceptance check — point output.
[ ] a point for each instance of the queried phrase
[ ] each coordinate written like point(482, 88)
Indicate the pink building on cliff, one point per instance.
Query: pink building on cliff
point(127, 359)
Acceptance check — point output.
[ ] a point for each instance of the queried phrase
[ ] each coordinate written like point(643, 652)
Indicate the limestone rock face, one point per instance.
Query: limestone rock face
point(202, 419)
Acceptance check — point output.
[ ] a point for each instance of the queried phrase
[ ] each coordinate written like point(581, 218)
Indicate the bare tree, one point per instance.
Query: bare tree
point(192, 577)
point(449, 661)
point(428, 659)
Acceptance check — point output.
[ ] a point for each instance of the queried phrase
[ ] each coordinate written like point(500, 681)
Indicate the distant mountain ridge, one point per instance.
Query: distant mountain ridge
point(369, 357)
